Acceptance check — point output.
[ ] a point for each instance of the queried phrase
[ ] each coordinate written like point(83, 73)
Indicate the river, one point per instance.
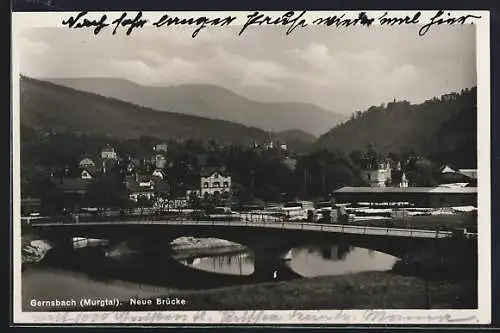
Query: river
point(123, 272)
point(307, 261)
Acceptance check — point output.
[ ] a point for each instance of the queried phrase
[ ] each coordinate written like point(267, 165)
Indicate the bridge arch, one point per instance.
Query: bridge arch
point(266, 237)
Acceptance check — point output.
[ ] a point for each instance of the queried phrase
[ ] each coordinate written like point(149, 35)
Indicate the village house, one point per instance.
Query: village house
point(146, 186)
point(86, 163)
point(130, 165)
point(377, 174)
point(192, 191)
point(213, 181)
point(71, 191)
point(404, 181)
point(108, 152)
point(160, 173)
point(448, 175)
point(269, 145)
point(30, 205)
point(109, 158)
point(160, 161)
point(160, 147)
point(471, 173)
point(72, 185)
point(88, 173)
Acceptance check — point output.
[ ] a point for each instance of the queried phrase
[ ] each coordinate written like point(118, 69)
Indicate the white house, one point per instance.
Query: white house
point(447, 169)
point(379, 175)
point(404, 181)
point(159, 173)
point(214, 181)
point(269, 145)
point(108, 152)
point(161, 147)
point(145, 186)
point(86, 174)
point(86, 163)
point(160, 161)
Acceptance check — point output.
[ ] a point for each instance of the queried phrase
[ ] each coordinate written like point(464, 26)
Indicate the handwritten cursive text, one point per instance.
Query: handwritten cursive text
point(438, 20)
point(286, 19)
point(80, 21)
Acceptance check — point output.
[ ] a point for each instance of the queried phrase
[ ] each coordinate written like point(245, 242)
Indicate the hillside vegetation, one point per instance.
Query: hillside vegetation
point(47, 106)
point(444, 129)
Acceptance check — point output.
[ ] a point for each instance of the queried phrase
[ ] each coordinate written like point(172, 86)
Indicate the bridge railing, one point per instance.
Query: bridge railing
point(305, 226)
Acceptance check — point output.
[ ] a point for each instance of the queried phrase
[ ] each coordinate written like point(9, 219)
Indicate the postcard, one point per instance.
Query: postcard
point(260, 167)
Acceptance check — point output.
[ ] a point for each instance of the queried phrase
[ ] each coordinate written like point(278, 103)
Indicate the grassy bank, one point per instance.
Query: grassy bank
point(367, 290)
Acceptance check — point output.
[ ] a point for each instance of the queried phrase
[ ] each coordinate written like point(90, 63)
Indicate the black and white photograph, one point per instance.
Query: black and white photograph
point(219, 167)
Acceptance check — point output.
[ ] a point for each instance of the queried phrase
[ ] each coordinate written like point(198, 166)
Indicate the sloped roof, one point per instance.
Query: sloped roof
point(90, 169)
point(471, 173)
point(133, 183)
point(208, 171)
point(348, 189)
point(160, 171)
point(454, 185)
point(447, 169)
point(108, 148)
point(85, 162)
point(76, 185)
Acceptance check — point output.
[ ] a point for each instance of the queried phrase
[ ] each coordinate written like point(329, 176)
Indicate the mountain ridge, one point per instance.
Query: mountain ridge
point(45, 105)
point(211, 101)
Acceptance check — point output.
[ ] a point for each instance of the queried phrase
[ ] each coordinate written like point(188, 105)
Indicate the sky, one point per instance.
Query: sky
point(339, 70)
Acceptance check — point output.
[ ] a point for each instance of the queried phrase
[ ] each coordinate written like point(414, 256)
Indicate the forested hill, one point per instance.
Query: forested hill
point(443, 128)
point(47, 106)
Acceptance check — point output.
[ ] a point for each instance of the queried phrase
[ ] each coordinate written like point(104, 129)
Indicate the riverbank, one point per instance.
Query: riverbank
point(34, 249)
point(367, 290)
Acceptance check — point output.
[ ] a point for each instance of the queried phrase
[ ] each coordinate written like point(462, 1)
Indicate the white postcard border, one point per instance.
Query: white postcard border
point(482, 315)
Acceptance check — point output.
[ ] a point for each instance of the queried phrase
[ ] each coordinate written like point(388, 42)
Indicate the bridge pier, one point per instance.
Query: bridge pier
point(270, 263)
point(62, 243)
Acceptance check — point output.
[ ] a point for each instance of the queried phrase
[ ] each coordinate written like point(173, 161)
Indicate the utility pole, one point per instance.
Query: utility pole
point(323, 178)
point(427, 295)
point(252, 185)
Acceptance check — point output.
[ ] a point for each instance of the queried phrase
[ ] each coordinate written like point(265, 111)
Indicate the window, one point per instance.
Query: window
point(216, 184)
point(205, 184)
point(226, 184)
point(369, 176)
point(216, 175)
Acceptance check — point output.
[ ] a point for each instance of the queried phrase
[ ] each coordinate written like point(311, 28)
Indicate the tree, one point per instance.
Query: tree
point(107, 192)
point(269, 193)
point(194, 201)
point(243, 196)
point(357, 157)
point(143, 202)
